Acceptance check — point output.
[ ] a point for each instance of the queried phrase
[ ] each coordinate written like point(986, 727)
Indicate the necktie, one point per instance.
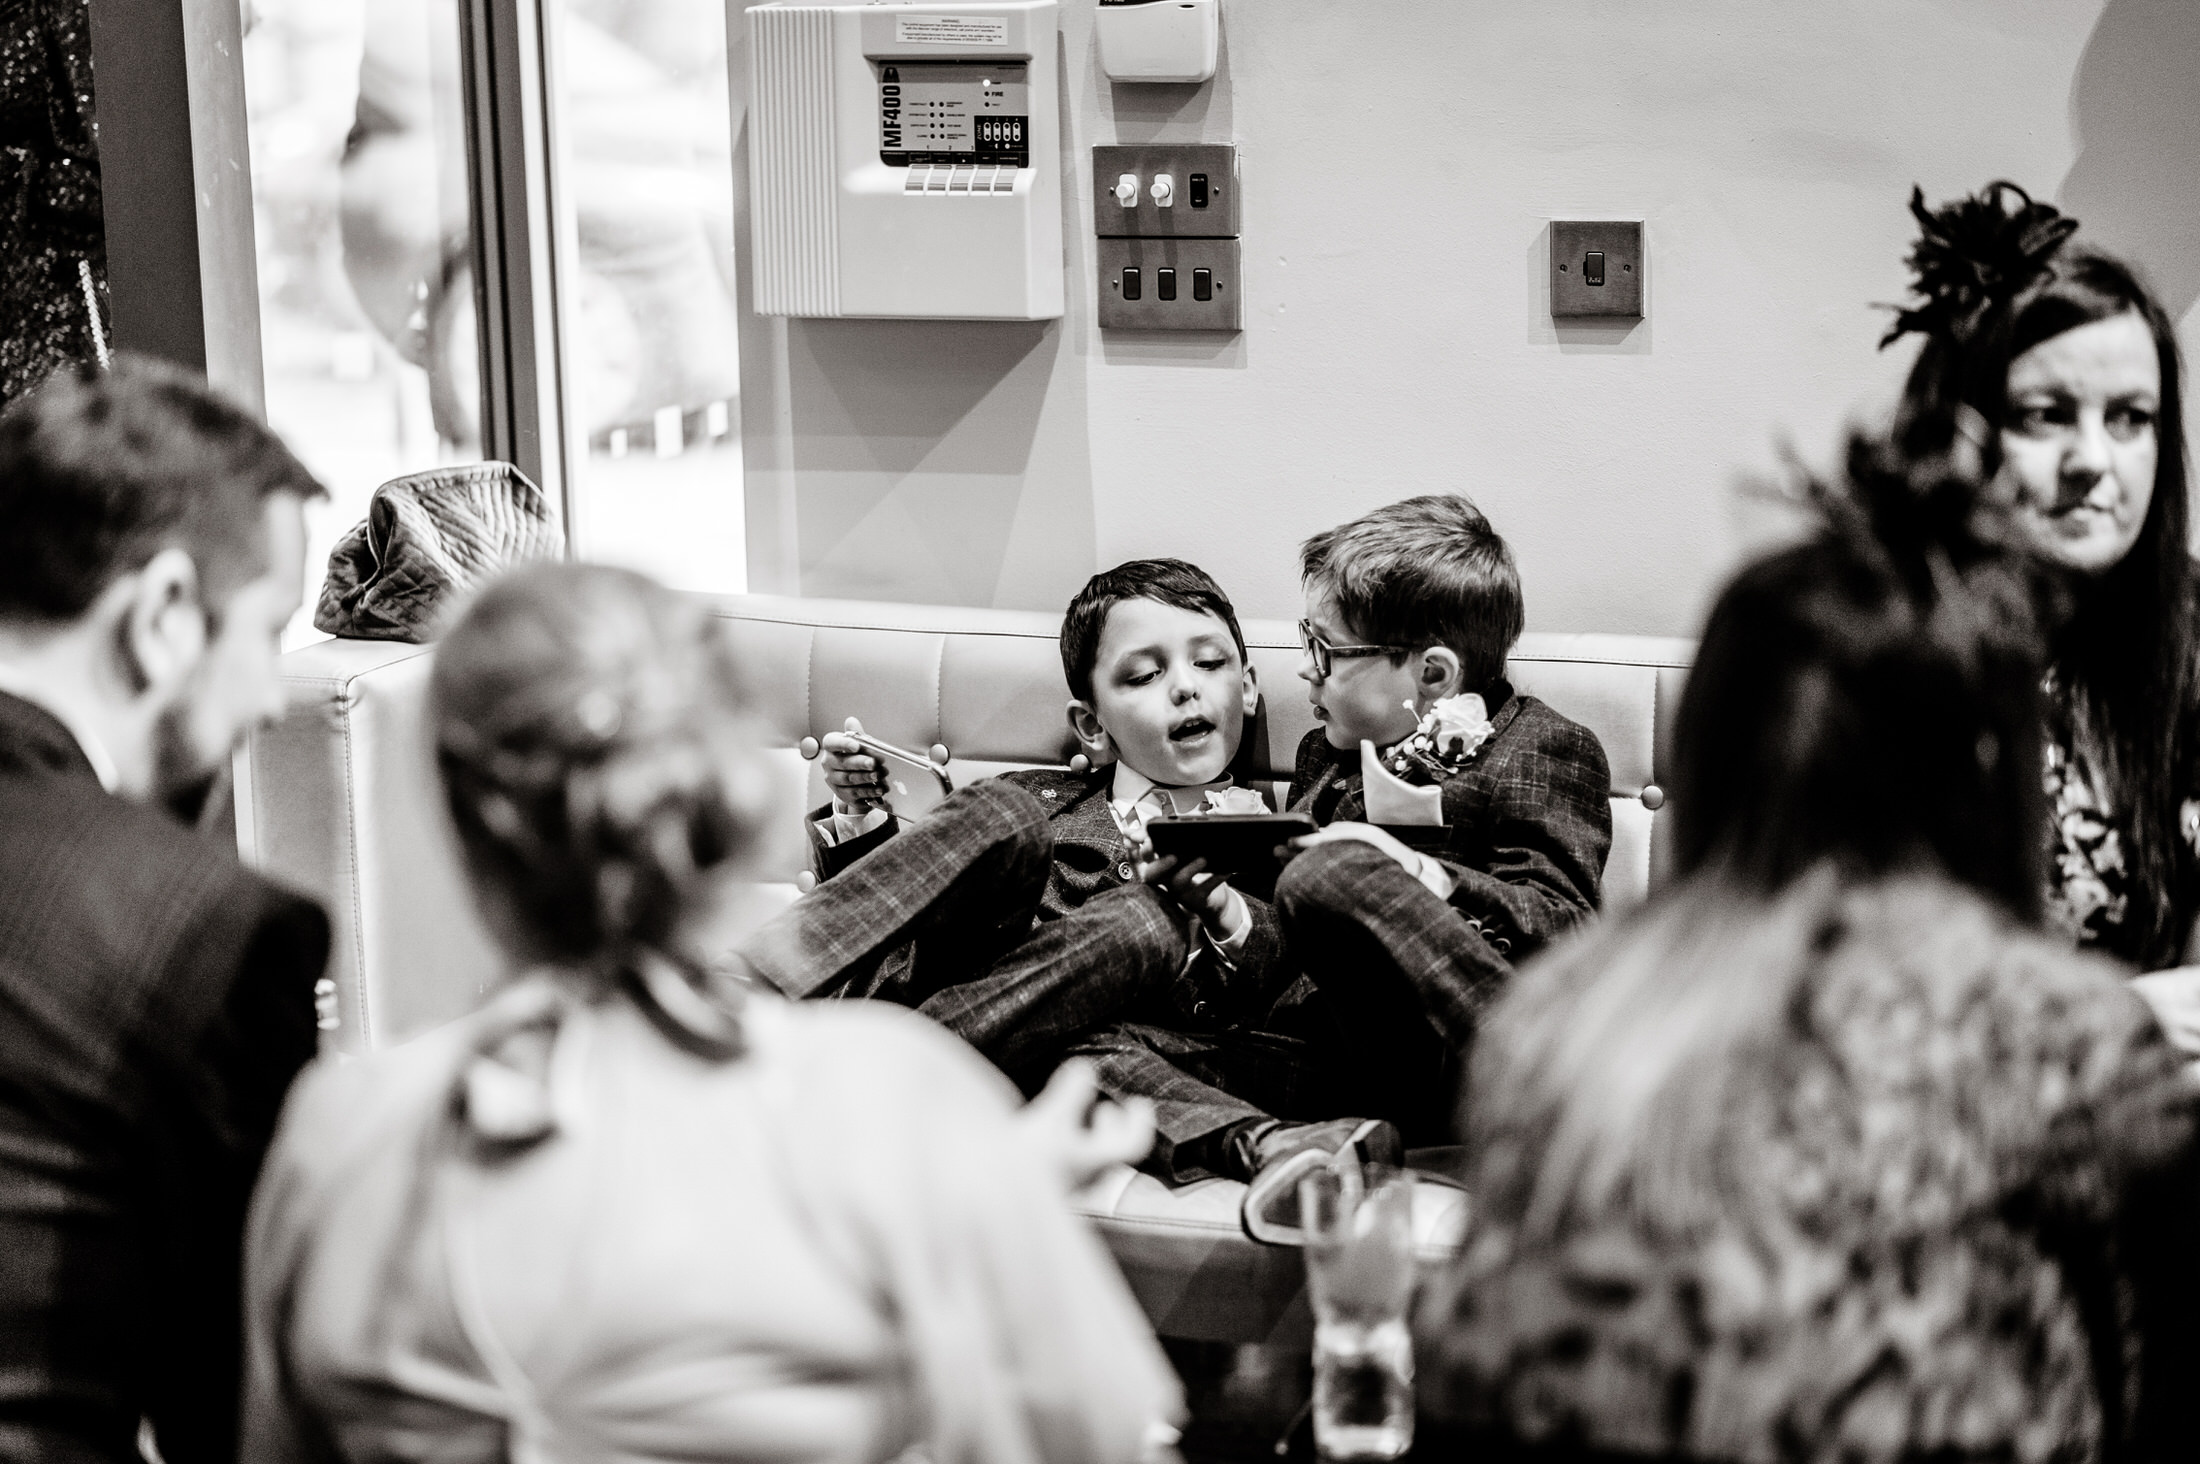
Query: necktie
point(1155, 804)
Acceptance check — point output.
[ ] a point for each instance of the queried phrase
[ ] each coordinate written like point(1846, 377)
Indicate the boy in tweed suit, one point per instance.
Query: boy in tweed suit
point(1023, 912)
point(1410, 614)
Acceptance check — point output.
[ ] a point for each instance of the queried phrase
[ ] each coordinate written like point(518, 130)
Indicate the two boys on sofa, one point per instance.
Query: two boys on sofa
point(1027, 913)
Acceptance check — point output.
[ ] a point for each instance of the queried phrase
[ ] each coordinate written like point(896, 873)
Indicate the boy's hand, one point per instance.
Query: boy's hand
point(857, 779)
point(1367, 834)
point(1195, 891)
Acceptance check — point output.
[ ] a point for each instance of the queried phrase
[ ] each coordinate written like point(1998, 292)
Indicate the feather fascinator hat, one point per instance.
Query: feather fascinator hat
point(1974, 254)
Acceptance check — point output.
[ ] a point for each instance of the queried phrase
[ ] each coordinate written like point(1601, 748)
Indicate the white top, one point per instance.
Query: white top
point(821, 1251)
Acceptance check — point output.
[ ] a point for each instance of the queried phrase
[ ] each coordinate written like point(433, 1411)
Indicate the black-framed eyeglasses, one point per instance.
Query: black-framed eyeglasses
point(1325, 654)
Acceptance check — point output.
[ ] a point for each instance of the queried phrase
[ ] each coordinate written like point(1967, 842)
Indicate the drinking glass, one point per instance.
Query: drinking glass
point(1359, 1268)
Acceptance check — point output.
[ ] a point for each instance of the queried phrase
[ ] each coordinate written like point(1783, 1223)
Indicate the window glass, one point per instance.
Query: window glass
point(357, 130)
point(646, 189)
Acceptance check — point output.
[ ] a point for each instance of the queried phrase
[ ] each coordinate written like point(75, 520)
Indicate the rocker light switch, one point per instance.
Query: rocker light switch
point(1160, 211)
point(1142, 284)
point(1596, 268)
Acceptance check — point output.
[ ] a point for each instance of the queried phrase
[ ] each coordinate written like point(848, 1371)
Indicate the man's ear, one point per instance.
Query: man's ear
point(1442, 674)
point(1084, 725)
point(162, 630)
point(1252, 688)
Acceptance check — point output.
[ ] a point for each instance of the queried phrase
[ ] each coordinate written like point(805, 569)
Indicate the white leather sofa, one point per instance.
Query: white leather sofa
point(340, 799)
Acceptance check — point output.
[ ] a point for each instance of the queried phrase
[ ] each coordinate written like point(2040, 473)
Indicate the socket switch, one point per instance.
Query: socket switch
point(1596, 268)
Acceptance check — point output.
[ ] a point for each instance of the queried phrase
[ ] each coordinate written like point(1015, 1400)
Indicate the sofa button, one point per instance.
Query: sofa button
point(1653, 797)
point(1123, 871)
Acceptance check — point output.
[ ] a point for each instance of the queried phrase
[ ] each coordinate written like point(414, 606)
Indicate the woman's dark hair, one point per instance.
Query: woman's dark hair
point(1997, 274)
point(1870, 698)
point(593, 740)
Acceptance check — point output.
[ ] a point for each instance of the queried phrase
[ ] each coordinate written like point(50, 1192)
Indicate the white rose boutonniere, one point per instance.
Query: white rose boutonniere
point(1235, 800)
point(1450, 733)
point(1458, 725)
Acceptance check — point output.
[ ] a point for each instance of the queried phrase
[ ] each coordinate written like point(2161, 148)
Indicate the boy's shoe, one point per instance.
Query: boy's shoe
point(1289, 1152)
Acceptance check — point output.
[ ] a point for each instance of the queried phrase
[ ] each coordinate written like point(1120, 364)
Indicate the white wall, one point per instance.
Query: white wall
point(1401, 159)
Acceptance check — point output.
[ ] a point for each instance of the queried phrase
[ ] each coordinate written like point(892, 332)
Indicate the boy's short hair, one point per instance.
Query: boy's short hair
point(1428, 571)
point(1170, 581)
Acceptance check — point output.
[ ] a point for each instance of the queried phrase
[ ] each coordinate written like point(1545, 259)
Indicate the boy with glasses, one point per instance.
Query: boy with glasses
point(1410, 614)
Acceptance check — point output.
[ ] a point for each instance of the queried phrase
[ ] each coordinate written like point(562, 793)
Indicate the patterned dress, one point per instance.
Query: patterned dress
point(2089, 877)
point(1931, 1154)
point(2088, 882)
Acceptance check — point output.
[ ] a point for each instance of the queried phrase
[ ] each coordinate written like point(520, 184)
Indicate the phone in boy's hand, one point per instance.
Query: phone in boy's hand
point(1242, 848)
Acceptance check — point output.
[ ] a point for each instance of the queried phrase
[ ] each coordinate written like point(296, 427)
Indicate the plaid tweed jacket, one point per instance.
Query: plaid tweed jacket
point(1530, 819)
point(155, 1001)
point(1092, 855)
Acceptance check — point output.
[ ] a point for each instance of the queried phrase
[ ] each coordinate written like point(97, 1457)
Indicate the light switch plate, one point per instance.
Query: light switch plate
point(1620, 243)
point(1215, 161)
point(1223, 311)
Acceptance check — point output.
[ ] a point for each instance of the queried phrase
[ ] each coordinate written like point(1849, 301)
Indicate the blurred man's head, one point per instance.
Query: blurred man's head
point(152, 546)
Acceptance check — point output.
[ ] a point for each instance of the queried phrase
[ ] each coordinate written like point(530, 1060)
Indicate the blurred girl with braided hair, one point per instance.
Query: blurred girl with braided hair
point(632, 1209)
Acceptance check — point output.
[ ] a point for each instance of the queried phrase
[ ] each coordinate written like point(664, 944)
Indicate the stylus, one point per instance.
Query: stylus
point(935, 763)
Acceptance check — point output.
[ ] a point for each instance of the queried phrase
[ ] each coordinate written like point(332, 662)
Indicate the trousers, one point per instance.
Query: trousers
point(948, 917)
point(1394, 981)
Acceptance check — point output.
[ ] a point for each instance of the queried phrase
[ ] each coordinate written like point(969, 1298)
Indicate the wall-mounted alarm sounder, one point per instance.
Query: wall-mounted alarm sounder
point(1160, 40)
point(905, 160)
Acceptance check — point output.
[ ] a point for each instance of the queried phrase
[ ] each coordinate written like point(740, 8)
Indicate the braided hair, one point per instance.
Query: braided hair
point(1995, 275)
point(595, 752)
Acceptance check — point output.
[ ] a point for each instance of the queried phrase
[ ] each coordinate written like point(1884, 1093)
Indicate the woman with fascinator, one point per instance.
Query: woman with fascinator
point(1822, 1154)
point(631, 1209)
point(2070, 369)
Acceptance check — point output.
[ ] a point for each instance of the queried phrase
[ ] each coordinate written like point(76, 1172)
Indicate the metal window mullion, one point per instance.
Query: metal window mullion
point(506, 60)
point(176, 186)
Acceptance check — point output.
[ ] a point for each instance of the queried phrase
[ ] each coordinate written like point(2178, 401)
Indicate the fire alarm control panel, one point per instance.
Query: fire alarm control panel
point(904, 160)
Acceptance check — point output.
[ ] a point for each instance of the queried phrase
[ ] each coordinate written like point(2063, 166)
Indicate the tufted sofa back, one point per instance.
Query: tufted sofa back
point(339, 798)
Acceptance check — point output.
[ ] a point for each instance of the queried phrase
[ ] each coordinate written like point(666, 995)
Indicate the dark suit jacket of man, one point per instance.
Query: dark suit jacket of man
point(1529, 819)
point(155, 1001)
point(1092, 855)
